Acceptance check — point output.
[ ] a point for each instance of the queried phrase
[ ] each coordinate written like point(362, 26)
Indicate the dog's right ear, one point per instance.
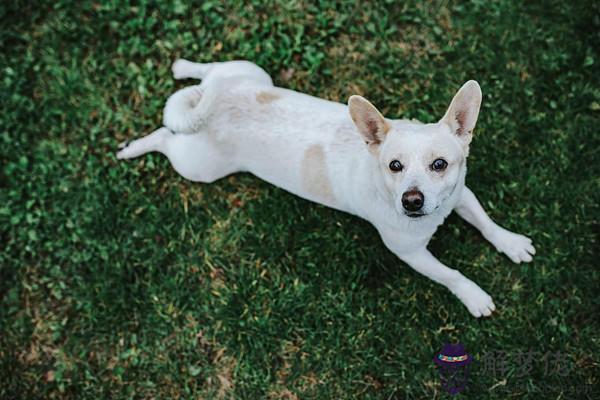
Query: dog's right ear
point(369, 121)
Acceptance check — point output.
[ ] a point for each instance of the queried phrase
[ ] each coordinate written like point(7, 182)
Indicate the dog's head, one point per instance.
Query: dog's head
point(421, 164)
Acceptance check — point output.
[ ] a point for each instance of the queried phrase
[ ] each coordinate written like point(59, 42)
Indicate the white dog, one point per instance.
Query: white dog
point(405, 177)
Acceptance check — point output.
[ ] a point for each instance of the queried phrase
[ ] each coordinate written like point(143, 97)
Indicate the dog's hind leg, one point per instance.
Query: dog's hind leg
point(156, 141)
point(197, 157)
point(200, 157)
point(183, 69)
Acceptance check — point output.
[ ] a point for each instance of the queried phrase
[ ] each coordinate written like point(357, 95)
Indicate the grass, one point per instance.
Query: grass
point(122, 280)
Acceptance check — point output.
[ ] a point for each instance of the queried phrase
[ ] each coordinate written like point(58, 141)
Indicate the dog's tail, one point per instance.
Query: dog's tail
point(187, 109)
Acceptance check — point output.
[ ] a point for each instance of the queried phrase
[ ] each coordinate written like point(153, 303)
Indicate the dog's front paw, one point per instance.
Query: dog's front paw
point(478, 302)
point(517, 247)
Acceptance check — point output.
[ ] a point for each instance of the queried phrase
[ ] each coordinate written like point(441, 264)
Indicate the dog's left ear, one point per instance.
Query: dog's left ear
point(462, 114)
point(369, 121)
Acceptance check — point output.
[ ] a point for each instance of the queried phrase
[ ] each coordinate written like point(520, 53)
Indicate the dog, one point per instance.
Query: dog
point(403, 176)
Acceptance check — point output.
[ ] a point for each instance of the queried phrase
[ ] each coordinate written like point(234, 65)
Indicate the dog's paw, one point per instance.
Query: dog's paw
point(478, 302)
point(181, 68)
point(517, 247)
point(127, 150)
point(124, 153)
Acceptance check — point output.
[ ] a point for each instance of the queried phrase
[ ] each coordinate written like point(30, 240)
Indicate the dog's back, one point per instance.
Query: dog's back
point(284, 137)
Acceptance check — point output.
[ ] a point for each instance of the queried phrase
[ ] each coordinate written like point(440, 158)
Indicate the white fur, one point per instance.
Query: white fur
point(236, 120)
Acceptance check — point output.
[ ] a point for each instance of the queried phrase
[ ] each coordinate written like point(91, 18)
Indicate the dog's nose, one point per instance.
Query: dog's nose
point(413, 200)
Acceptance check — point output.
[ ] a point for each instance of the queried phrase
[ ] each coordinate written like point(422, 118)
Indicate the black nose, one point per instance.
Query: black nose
point(412, 200)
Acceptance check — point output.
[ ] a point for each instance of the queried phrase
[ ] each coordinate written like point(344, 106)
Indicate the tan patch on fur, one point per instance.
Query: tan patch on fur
point(266, 97)
point(314, 174)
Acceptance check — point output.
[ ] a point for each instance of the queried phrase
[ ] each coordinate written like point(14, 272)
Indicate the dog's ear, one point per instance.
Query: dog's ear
point(369, 121)
point(462, 114)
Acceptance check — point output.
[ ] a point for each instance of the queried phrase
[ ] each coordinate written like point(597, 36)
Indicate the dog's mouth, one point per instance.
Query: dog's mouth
point(415, 214)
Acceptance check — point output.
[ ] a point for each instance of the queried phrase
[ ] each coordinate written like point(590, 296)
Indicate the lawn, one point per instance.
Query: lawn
point(122, 280)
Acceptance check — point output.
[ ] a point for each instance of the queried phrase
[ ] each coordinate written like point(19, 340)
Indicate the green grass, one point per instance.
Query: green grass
point(123, 280)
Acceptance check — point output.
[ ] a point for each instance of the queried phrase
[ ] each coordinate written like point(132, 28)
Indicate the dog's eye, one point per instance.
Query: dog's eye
point(396, 166)
point(439, 164)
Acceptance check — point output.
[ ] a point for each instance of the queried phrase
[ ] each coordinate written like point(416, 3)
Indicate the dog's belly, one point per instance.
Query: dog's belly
point(305, 145)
